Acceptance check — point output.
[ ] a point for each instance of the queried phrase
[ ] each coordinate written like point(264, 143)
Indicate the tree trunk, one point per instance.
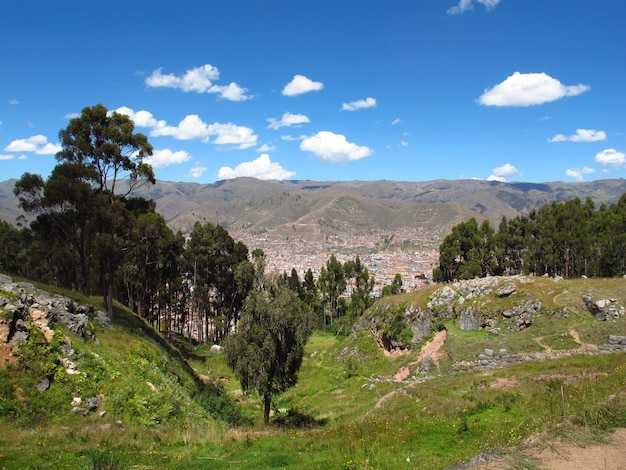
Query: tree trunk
point(267, 405)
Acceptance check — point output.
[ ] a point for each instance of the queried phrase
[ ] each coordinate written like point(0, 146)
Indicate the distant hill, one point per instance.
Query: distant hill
point(250, 207)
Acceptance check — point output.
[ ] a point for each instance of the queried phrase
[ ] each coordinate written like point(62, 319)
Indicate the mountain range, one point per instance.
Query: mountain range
point(250, 207)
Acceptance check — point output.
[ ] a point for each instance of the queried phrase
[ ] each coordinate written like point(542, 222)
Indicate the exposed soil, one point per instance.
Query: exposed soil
point(432, 348)
point(586, 346)
point(6, 355)
point(562, 456)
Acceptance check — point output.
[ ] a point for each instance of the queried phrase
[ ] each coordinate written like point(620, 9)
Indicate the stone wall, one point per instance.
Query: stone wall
point(491, 359)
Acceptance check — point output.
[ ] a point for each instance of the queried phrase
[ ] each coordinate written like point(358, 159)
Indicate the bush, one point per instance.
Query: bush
point(212, 398)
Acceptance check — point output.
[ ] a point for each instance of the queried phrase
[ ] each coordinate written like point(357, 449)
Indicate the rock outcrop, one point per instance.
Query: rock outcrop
point(604, 309)
point(22, 304)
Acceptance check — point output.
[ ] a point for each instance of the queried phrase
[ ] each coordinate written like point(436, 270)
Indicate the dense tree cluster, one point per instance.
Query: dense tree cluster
point(568, 239)
point(93, 234)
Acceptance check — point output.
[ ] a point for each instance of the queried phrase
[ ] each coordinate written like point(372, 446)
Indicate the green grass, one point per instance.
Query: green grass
point(337, 416)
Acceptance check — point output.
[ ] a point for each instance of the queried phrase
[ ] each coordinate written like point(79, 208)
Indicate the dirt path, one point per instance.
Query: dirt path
point(609, 456)
point(432, 348)
point(585, 346)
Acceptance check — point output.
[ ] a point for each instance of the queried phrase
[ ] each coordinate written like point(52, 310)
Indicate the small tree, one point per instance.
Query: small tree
point(267, 348)
point(395, 287)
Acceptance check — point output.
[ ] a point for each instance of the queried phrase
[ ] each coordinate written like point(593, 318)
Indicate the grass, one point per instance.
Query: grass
point(337, 417)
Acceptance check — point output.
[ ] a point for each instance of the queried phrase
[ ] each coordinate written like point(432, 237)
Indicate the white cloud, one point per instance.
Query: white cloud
point(6, 157)
point(261, 168)
point(288, 120)
point(266, 148)
point(301, 84)
point(196, 172)
point(528, 89)
point(404, 143)
point(165, 157)
point(38, 144)
point(465, 5)
point(334, 148)
point(360, 104)
point(582, 135)
point(14, 102)
point(199, 80)
point(500, 173)
point(240, 137)
point(141, 118)
point(578, 173)
point(395, 122)
point(609, 157)
point(72, 115)
point(231, 92)
point(192, 127)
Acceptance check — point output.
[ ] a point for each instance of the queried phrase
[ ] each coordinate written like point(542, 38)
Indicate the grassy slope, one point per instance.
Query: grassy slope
point(334, 420)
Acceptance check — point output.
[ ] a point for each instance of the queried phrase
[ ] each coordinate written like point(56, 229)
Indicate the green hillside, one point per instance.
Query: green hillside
point(356, 406)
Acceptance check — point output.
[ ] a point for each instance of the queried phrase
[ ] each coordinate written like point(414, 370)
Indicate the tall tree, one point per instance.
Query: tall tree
point(362, 285)
point(267, 347)
point(214, 256)
point(332, 283)
point(79, 204)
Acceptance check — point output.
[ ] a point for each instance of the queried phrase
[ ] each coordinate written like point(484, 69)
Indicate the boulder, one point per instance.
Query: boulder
point(467, 321)
point(603, 309)
point(506, 290)
point(93, 403)
point(43, 385)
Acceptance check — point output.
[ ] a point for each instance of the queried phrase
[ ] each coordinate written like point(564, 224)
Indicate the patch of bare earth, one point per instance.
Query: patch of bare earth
point(585, 346)
point(564, 456)
point(389, 396)
point(504, 384)
point(6, 356)
point(432, 348)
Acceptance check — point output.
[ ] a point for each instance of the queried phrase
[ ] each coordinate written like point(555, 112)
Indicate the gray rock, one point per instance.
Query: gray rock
point(101, 318)
point(467, 321)
point(80, 411)
point(43, 385)
point(506, 290)
point(426, 364)
point(93, 403)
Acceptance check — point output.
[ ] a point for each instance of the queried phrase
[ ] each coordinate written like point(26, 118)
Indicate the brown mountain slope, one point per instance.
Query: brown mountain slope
point(250, 206)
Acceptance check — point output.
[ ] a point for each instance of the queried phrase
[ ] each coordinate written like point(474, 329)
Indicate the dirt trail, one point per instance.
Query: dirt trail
point(586, 346)
point(432, 348)
point(560, 456)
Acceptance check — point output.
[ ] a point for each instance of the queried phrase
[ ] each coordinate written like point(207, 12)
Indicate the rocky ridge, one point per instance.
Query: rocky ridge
point(24, 307)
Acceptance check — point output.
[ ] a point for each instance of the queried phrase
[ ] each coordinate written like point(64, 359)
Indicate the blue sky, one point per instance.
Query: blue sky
point(412, 90)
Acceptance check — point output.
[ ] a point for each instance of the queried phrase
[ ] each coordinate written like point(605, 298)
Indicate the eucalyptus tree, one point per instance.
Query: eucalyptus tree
point(362, 285)
point(82, 204)
point(221, 278)
point(332, 284)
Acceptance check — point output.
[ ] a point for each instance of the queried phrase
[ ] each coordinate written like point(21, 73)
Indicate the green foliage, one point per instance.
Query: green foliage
point(266, 350)
point(395, 287)
point(394, 326)
point(105, 459)
point(82, 217)
point(213, 398)
point(332, 283)
point(569, 239)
